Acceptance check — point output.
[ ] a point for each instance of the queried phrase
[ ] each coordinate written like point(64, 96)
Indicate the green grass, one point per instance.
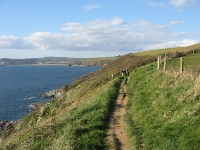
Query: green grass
point(163, 111)
point(191, 63)
point(90, 120)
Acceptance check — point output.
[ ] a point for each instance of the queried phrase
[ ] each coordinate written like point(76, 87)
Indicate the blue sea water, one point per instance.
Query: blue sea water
point(20, 86)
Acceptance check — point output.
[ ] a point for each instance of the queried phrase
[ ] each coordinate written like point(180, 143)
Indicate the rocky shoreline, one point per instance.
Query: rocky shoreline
point(4, 124)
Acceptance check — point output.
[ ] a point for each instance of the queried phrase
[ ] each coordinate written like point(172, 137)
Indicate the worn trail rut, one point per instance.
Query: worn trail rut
point(117, 136)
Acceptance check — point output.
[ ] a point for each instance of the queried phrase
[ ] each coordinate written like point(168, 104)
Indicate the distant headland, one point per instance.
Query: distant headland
point(57, 61)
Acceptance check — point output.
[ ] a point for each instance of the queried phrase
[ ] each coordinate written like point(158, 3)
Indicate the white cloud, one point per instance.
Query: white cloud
point(176, 22)
point(116, 34)
point(55, 41)
point(183, 43)
point(101, 35)
point(188, 42)
point(90, 7)
point(179, 3)
point(117, 21)
point(153, 4)
point(10, 42)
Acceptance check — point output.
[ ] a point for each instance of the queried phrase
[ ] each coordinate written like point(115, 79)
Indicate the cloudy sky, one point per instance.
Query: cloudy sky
point(95, 28)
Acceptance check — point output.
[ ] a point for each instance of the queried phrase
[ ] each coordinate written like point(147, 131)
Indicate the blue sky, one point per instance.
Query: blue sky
point(91, 28)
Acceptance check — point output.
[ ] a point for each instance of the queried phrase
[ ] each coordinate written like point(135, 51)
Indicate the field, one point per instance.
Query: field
point(191, 63)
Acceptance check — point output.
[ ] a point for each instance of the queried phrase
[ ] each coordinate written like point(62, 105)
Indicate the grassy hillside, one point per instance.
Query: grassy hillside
point(98, 61)
point(76, 120)
point(164, 108)
point(162, 113)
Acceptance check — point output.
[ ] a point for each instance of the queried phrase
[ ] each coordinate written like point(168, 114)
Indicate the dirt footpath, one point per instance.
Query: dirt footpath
point(117, 136)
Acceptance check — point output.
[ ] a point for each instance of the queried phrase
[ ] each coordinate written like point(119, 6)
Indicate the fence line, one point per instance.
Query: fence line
point(175, 55)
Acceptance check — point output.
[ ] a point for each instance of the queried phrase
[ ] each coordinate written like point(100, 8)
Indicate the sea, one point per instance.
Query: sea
point(21, 86)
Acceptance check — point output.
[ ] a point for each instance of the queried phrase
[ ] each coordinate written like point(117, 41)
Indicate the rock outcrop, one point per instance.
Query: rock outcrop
point(6, 124)
point(52, 93)
point(55, 93)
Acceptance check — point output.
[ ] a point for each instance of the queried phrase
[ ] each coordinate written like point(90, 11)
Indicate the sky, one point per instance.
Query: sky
point(91, 28)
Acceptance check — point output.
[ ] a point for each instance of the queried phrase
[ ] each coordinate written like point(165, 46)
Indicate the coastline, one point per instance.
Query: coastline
point(34, 104)
point(49, 65)
point(4, 124)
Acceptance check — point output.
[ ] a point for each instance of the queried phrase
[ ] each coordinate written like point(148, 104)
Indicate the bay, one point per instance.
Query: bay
point(20, 86)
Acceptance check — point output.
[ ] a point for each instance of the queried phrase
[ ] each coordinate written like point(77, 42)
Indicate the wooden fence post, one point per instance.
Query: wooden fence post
point(158, 62)
point(181, 65)
point(164, 64)
point(160, 59)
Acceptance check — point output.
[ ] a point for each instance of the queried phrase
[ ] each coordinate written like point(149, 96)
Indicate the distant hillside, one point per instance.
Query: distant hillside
point(59, 60)
point(45, 60)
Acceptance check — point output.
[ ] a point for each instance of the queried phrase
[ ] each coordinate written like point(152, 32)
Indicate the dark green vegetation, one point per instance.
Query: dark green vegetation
point(162, 113)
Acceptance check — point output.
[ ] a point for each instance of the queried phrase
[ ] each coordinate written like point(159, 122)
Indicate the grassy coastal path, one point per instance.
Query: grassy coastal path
point(117, 136)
